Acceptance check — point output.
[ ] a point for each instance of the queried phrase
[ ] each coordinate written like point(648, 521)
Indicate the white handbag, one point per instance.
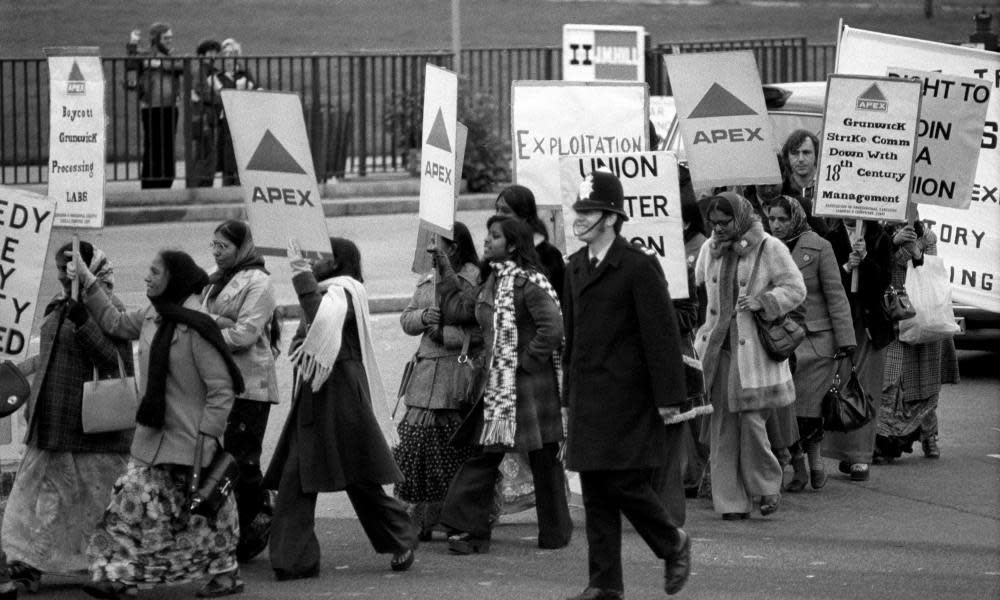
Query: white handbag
point(110, 404)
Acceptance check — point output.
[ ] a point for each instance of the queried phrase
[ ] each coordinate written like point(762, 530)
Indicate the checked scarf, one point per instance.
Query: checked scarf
point(500, 401)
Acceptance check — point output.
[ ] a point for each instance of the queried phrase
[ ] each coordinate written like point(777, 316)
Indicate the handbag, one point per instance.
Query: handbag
point(779, 337)
point(209, 487)
point(109, 404)
point(847, 407)
point(470, 376)
point(896, 304)
point(14, 389)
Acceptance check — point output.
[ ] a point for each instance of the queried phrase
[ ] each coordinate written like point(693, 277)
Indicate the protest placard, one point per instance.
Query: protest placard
point(439, 179)
point(276, 171)
point(604, 53)
point(968, 240)
point(949, 136)
point(663, 115)
point(76, 136)
point(25, 224)
point(551, 119)
point(869, 141)
point(652, 201)
point(728, 136)
point(421, 258)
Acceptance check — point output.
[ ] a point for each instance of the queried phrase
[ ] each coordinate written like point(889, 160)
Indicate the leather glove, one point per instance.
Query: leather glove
point(846, 352)
point(77, 312)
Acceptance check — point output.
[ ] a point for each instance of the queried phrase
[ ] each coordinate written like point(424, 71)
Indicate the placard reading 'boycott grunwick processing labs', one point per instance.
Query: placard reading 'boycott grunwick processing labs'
point(652, 201)
point(76, 136)
point(869, 141)
point(276, 171)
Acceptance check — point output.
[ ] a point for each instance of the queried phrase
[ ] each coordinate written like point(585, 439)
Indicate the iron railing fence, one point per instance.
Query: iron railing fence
point(359, 108)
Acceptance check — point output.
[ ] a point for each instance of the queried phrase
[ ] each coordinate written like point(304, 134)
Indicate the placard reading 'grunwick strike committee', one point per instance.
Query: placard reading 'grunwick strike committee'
point(968, 240)
point(949, 136)
point(869, 141)
point(652, 201)
point(76, 136)
point(276, 171)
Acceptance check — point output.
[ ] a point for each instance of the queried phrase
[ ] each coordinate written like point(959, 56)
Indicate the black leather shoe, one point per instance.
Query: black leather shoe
point(284, 575)
point(466, 543)
point(677, 568)
point(593, 593)
point(769, 504)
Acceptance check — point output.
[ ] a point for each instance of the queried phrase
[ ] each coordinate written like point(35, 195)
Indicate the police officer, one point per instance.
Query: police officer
point(623, 377)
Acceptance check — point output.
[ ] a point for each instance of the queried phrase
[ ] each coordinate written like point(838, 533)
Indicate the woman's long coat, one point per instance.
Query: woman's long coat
point(539, 333)
point(339, 440)
point(757, 382)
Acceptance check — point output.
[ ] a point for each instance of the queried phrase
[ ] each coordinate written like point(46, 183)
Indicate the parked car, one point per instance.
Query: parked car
point(800, 105)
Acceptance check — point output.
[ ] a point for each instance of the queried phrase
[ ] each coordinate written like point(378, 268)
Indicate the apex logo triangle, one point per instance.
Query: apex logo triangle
point(873, 93)
point(438, 137)
point(75, 74)
point(271, 156)
point(719, 102)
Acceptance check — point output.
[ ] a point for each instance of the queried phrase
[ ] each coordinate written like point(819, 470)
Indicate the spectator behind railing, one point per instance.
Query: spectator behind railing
point(158, 83)
point(204, 118)
point(233, 76)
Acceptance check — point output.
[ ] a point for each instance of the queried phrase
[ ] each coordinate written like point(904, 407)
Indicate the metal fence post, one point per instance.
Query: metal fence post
point(186, 129)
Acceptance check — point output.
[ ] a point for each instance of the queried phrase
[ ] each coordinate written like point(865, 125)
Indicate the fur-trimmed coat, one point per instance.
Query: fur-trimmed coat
point(757, 382)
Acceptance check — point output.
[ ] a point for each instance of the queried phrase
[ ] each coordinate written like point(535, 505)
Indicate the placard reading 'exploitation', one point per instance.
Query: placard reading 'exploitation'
point(276, 171)
point(551, 119)
point(949, 135)
point(968, 240)
point(869, 141)
point(76, 136)
point(652, 201)
point(25, 224)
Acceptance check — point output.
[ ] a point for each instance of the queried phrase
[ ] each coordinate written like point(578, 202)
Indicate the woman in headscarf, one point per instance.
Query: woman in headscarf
point(240, 298)
point(65, 478)
point(335, 437)
point(870, 254)
point(434, 407)
point(520, 410)
point(515, 489)
point(744, 383)
point(829, 333)
point(913, 372)
point(148, 535)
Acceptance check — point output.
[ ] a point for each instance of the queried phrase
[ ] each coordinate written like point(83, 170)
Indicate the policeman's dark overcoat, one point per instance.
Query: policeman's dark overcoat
point(622, 360)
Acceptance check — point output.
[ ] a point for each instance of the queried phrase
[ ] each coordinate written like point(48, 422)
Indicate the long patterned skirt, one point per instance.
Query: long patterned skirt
point(146, 536)
point(425, 455)
point(57, 499)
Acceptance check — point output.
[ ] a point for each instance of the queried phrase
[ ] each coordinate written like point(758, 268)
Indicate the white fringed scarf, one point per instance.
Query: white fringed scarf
point(500, 400)
point(315, 357)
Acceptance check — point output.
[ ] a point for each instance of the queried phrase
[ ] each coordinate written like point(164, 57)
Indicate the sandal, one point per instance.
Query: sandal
point(111, 590)
point(222, 584)
point(769, 504)
point(403, 560)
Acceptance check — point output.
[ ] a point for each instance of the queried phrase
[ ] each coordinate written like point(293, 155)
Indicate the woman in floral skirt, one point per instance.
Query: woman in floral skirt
point(147, 535)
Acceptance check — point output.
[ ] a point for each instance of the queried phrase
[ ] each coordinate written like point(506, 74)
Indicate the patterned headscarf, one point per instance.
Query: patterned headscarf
point(737, 207)
point(799, 221)
point(101, 267)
